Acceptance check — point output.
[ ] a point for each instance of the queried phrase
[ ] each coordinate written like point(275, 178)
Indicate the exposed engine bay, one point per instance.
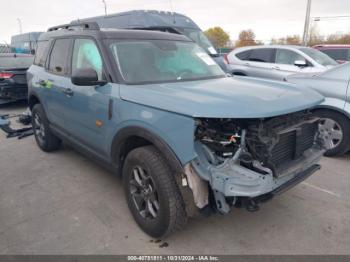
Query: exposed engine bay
point(252, 157)
point(273, 142)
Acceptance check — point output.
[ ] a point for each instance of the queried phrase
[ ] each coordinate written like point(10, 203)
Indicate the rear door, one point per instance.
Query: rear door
point(56, 81)
point(260, 63)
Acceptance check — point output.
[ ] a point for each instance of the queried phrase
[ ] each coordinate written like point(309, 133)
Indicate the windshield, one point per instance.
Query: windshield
point(155, 61)
point(319, 57)
point(199, 37)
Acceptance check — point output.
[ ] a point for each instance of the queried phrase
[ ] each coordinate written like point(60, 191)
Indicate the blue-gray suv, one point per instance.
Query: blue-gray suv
point(155, 108)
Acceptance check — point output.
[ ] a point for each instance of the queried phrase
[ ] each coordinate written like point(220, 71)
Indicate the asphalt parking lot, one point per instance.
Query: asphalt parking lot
point(62, 203)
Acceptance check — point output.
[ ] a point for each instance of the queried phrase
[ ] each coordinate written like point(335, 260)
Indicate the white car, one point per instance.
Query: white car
point(277, 61)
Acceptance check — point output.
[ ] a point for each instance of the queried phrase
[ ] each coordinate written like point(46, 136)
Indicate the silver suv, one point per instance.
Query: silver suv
point(277, 61)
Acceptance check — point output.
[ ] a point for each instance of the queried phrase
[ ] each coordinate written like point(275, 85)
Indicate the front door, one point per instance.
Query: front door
point(87, 106)
point(285, 63)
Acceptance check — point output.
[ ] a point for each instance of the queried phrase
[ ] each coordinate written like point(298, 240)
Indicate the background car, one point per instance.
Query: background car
point(340, 53)
point(159, 21)
point(335, 110)
point(277, 61)
point(13, 82)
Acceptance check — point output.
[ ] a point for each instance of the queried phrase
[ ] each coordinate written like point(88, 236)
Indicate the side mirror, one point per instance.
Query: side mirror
point(86, 77)
point(300, 63)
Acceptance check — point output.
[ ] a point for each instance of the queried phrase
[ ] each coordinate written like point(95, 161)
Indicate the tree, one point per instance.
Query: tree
point(293, 40)
point(338, 39)
point(314, 37)
point(246, 38)
point(218, 37)
point(288, 40)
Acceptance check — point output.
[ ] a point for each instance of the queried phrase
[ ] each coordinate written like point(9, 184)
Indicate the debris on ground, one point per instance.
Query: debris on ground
point(24, 119)
point(164, 244)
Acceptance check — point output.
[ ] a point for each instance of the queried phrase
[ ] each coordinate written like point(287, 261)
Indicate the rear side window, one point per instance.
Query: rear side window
point(243, 55)
point(264, 55)
point(41, 53)
point(58, 57)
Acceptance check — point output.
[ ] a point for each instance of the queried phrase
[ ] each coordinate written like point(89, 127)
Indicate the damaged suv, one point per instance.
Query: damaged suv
point(157, 109)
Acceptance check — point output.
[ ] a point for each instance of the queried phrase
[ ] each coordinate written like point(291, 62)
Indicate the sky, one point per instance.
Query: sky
point(267, 18)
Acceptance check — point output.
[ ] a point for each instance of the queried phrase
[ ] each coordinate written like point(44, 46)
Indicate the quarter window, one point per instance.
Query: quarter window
point(58, 57)
point(288, 57)
point(86, 55)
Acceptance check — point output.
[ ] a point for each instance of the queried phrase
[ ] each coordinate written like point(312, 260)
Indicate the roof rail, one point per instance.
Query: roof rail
point(83, 25)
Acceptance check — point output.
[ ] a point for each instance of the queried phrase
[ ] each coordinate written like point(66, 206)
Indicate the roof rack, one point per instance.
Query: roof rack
point(82, 25)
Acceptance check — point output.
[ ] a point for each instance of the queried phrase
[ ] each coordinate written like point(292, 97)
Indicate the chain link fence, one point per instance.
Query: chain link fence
point(5, 48)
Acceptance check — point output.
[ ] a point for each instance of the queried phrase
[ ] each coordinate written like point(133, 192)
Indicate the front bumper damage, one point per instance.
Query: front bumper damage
point(232, 181)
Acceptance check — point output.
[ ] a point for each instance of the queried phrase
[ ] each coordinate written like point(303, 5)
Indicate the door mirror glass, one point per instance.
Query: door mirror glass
point(85, 77)
point(300, 63)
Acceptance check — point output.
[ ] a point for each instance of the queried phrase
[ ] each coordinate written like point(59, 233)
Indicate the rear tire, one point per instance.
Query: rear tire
point(337, 129)
point(45, 139)
point(152, 193)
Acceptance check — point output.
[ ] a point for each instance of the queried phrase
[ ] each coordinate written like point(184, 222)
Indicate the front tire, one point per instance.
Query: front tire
point(45, 139)
point(336, 128)
point(152, 193)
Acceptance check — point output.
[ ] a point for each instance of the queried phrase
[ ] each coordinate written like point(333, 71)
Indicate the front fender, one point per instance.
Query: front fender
point(171, 133)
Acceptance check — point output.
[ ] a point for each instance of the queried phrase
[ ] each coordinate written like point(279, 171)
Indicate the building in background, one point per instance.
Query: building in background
point(25, 43)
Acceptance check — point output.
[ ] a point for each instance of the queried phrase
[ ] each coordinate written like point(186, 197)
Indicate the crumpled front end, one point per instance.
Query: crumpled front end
point(249, 160)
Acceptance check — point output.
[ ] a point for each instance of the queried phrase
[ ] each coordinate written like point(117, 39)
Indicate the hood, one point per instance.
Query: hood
point(229, 97)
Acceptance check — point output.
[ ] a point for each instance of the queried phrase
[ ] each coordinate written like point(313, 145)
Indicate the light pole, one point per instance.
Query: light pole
point(20, 25)
point(105, 4)
point(307, 23)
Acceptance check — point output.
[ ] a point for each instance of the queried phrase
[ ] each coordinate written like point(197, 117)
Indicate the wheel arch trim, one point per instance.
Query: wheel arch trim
point(32, 95)
point(127, 132)
point(333, 108)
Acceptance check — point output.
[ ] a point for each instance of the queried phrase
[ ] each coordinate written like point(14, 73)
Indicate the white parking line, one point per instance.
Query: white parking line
point(321, 189)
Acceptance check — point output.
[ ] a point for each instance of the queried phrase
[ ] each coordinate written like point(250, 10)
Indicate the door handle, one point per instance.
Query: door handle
point(276, 68)
point(68, 92)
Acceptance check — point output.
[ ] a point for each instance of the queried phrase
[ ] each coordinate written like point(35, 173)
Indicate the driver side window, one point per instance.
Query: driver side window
point(288, 57)
point(86, 55)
